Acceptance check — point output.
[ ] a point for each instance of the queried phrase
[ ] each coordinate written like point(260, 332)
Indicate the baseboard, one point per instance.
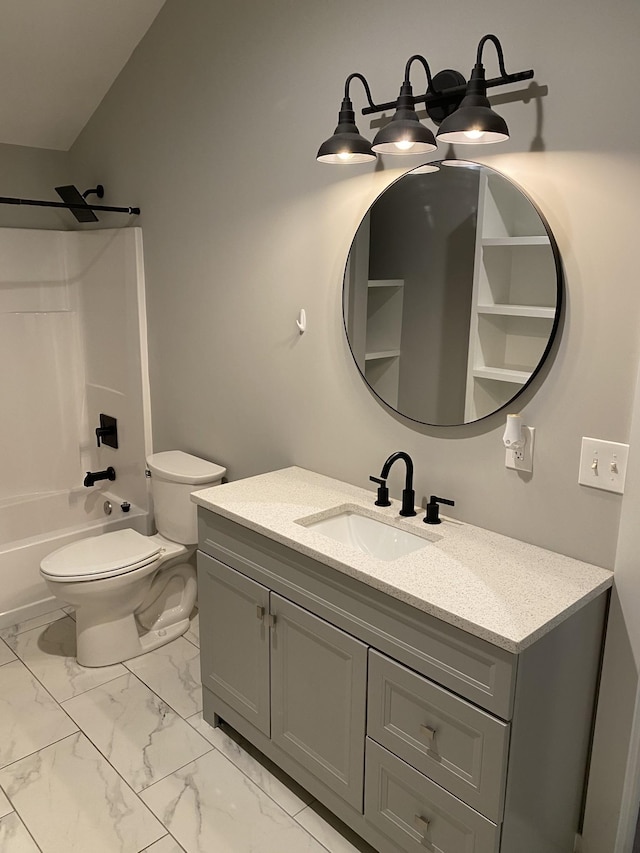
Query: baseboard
point(29, 611)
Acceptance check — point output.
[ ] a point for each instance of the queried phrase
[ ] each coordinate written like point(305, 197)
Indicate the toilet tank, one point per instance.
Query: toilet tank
point(174, 475)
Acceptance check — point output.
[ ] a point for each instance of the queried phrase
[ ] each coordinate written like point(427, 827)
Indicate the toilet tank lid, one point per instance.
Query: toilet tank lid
point(181, 467)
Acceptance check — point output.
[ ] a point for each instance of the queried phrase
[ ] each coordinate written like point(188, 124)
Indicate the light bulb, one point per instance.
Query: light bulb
point(404, 144)
point(345, 155)
point(474, 134)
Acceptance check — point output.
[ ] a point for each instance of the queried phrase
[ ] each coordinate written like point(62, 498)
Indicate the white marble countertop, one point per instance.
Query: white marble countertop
point(500, 589)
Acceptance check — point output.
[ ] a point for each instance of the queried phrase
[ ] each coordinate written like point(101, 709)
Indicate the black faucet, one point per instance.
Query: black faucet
point(408, 495)
point(93, 476)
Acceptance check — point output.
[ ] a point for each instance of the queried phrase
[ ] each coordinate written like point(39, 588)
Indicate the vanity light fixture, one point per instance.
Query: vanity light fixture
point(405, 133)
point(461, 109)
point(474, 122)
point(347, 145)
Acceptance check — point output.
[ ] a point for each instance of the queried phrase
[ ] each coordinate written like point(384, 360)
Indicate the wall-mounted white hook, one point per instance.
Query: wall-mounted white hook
point(301, 322)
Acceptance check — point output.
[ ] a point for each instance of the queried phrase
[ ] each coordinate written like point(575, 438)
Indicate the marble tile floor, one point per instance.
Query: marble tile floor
point(118, 759)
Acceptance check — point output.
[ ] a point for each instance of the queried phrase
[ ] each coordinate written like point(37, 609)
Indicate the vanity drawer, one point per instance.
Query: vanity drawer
point(418, 815)
point(456, 744)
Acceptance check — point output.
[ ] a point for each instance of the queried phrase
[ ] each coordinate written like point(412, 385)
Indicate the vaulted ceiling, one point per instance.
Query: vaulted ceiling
point(58, 59)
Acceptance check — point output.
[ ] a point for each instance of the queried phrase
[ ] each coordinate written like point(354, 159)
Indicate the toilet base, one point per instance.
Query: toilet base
point(154, 639)
point(109, 643)
point(107, 632)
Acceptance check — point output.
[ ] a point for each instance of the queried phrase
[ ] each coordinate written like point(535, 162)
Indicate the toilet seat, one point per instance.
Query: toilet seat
point(104, 556)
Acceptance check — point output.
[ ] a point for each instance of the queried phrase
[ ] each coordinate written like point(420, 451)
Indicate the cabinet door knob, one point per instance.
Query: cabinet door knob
point(259, 612)
point(271, 620)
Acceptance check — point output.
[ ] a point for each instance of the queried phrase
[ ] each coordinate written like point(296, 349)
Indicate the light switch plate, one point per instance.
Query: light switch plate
point(603, 465)
point(525, 462)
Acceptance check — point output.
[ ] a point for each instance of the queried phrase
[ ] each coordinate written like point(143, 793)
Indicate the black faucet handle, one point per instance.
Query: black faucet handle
point(383, 491)
point(433, 510)
point(102, 432)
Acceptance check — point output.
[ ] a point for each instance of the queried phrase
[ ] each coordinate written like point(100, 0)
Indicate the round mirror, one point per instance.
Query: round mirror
point(452, 293)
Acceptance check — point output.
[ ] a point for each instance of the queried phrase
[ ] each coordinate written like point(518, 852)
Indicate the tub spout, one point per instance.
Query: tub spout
point(93, 476)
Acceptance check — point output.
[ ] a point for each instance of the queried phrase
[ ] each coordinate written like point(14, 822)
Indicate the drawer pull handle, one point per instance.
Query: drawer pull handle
point(421, 823)
point(428, 733)
point(259, 612)
point(271, 620)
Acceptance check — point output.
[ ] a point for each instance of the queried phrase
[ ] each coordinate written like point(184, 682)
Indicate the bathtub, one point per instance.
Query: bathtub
point(32, 526)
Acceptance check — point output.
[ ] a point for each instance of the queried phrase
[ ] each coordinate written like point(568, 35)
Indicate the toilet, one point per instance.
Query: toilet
point(134, 593)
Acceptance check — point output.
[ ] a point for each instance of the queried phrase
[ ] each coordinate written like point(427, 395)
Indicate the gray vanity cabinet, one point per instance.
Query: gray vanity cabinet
point(235, 641)
point(293, 676)
point(418, 735)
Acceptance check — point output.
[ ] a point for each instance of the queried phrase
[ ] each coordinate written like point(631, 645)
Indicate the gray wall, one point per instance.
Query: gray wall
point(33, 173)
point(614, 785)
point(212, 129)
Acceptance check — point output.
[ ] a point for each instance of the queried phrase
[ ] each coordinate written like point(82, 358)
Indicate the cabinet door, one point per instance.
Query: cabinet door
point(318, 696)
point(234, 639)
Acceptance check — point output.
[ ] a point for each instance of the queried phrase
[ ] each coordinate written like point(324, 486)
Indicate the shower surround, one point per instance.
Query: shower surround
point(72, 345)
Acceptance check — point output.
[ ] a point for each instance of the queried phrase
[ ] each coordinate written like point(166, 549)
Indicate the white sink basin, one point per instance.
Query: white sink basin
point(369, 535)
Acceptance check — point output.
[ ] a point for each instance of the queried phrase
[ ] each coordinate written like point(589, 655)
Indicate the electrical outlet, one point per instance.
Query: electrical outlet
point(603, 465)
point(522, 459)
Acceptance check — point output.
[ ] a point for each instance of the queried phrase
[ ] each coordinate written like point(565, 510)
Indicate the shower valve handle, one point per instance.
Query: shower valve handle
point(107, 432)
point(101, 432)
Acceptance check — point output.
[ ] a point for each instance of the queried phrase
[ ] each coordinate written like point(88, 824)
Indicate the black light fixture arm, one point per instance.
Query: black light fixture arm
point(347, 113)
point(406, 97)
point(496, 41)
point(452, 94)
point(347, 84)
point(418, 58)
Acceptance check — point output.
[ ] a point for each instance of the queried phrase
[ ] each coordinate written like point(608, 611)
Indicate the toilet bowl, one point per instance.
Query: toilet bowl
point(134, 593)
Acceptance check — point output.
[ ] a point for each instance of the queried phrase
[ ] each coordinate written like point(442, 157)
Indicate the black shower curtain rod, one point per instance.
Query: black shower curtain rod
point(132, 211)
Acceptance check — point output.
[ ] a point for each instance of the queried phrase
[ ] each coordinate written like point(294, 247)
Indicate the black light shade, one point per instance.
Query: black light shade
point(346, 146)
point(404, 134)
point(474, 122)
